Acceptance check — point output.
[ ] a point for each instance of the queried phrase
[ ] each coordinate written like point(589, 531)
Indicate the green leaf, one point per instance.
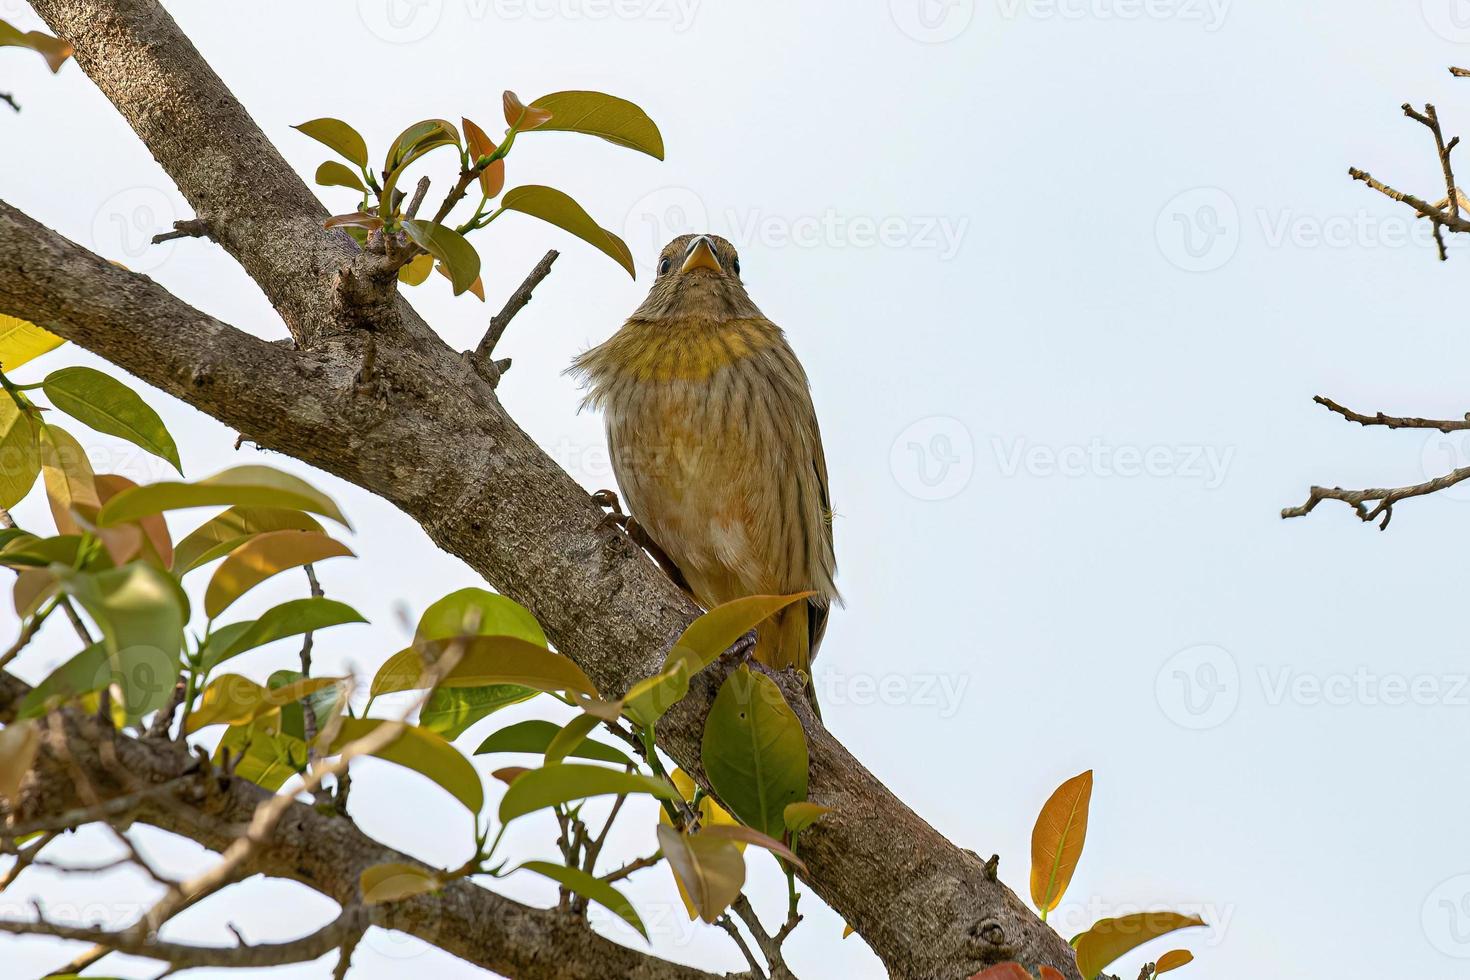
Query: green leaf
point(424, 752)
point(451, 710)
point(339, 136)
point(593, 889)
point(262, 753)
point(27, 550)
point(334, 174)
point(554, 207)
point(563, 782)
point(712, 633)
point(536, 736)
point(20, 453)
point(449, 247)
point(572, 735)
point(755, 751)
point(223, 534)
point(263, 556)
point(144, 675)
point(396, 880)
point(291, 618)
point(324, 703)
point(711, 870)
point(242, 486)
point(648, 700)
point(800, 816)
point(418, 139)
point(141, 612)
point(1109, 939)
point(485, 660)
point(235, 700)
point(109, 406)
point(478, 612)
point(598, 114)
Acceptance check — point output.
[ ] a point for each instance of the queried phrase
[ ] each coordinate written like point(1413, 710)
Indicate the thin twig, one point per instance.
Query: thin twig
point(514, 305)
point(1423, 207)
point(418, 198)
point(25, 857)
point(1385, 497)
point(1392, 421)
point(188, 228)
point(728, 924)
point(9, 99)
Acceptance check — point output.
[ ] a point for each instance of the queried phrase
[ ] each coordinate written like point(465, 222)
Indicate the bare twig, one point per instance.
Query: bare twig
point(24, 858)
point(353, 920)
point(1423, 207)
point(770, 945)
point(1430, 119)
point(188, 228)
point(1392, 421)
point(733, 931)
point(418, 197)
point(514, 305)
point(1385, 497)
point(9, 100)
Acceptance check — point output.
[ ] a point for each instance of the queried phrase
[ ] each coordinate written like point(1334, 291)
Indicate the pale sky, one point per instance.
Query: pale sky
point(1065, 275)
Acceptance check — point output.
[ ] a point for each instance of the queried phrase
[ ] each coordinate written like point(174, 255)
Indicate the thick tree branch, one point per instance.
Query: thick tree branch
point(434, 440)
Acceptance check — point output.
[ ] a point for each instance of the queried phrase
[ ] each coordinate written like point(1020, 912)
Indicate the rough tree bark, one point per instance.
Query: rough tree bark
point(430, 436)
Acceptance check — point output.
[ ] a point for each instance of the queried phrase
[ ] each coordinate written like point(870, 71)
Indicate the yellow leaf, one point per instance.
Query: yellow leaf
point(19, 743)
point(422, 751)
point(20, 453)
point(847, 930)
point(1173, 960)
point(70, 483)
point(417, 270)
point(21, 341)
point(484, 660)
point(235, 700)
point(263, 556)
point(1109, 939)
point(711, 814)
point(396, 880)
point(711, 870)
point(1056, 841)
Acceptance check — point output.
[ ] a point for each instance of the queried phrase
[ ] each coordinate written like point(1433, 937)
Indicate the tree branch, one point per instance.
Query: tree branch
point(436, 442)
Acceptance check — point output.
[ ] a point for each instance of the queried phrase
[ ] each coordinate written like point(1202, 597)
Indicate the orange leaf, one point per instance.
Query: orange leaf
point(1003, 971)
point(263, 556)
point(508, 774)
point(492, 178)
point(521, 117)
point(1109, 939)
point(1056, 841)
point(1173, 960)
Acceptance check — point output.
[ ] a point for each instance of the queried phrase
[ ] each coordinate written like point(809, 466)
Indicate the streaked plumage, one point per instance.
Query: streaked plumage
point(715, 444)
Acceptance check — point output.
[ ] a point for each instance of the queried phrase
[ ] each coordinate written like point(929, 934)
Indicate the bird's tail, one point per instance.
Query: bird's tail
point(785, 640)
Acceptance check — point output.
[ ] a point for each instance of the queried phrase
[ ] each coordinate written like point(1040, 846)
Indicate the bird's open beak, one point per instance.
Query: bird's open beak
point(701, 255)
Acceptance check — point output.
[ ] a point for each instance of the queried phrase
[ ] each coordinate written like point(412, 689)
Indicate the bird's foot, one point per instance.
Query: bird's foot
point(608, 500)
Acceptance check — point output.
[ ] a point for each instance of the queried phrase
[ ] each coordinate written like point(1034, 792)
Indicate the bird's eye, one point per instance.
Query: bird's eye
point(663, 267)
point(735, 264)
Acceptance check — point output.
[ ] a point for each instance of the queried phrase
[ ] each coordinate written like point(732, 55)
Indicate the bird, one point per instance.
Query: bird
point(715, 447)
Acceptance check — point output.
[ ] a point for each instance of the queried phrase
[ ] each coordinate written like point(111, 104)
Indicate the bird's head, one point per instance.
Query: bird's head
point(698, 276)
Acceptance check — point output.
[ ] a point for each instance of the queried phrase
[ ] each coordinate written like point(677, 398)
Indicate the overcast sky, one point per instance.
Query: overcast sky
point(1065, 275)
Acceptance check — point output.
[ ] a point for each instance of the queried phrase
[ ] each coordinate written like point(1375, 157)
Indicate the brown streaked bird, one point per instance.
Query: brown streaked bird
point(715, 445)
